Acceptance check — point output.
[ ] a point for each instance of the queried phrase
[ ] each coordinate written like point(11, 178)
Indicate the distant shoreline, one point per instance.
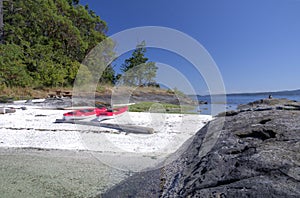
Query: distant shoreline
point(287, 92)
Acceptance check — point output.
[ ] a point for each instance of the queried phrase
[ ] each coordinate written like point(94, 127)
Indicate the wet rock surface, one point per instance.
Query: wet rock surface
point(252, 154)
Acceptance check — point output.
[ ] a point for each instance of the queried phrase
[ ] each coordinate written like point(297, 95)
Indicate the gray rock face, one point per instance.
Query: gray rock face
point(269, 104)
point(256, 154)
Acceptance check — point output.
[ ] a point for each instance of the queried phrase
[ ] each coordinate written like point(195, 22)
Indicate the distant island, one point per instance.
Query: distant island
point(287, 92)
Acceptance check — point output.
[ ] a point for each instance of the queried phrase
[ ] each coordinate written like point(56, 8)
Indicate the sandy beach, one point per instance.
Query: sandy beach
point(99, 157)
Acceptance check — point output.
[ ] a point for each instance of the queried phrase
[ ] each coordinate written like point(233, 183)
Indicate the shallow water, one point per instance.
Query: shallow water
point(54, 173)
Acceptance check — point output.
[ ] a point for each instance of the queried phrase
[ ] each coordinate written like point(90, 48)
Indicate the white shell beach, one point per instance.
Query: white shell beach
point(61, 149)
point(35, 128)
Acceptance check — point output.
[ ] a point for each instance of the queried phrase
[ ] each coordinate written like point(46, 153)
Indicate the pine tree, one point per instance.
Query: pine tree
point(108, 75)
point(136, 70)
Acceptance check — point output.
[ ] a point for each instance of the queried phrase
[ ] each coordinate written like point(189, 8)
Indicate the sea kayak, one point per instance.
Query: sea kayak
point(110, 114)
point(83, 113)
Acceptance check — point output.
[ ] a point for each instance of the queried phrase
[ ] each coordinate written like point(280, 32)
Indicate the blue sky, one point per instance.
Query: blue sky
point(255, 43)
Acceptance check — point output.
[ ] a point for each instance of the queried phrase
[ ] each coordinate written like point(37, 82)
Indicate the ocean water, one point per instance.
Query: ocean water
point(234, 100)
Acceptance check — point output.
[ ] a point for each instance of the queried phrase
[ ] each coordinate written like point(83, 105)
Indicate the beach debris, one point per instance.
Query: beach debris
point(60, 94)
point(4, 110)
point(35, 101)
point(40, 115)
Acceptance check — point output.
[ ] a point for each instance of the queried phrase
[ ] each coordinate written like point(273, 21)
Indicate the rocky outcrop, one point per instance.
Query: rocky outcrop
point(106, 99)
point(148, 96)
point(269, 104)
point(251, 154)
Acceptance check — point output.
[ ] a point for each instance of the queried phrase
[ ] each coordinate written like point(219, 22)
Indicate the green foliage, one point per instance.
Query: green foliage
point(137, 71)
point(160, 108)
point(46, 40)
point(136, 59)
point(146, 106)
point(84, 76)
point(98, 62)
point(13, 71)
point(179, 93)
point(108, 75)
point(73, 2)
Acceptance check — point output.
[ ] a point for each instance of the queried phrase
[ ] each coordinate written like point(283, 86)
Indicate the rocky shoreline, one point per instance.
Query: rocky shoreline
point(256, 154)
point(107, 99)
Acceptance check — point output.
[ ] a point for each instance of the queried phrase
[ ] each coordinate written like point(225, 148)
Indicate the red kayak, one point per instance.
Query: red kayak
point(83, 113)
point(109, 114)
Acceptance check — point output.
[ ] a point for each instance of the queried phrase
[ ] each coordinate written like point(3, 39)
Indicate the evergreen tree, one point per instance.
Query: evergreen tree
point(136, 70)
point(108, 75)
point(73, 2)
point(50, 37)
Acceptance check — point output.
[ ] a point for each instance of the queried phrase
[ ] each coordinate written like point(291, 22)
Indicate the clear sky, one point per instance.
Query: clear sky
point(255, 43)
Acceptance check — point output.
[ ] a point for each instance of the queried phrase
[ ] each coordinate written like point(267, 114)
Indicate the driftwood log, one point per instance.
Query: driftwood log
point(121, 127)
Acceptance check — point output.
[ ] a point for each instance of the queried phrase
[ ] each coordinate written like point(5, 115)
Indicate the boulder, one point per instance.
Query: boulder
point(251, 154)
point(257, 154)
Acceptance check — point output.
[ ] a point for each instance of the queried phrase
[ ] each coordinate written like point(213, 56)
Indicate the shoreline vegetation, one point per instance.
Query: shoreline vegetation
point(43, 43)
point(47, 45)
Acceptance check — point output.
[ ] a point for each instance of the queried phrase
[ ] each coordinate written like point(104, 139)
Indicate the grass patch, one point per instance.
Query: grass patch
point(160, 108)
